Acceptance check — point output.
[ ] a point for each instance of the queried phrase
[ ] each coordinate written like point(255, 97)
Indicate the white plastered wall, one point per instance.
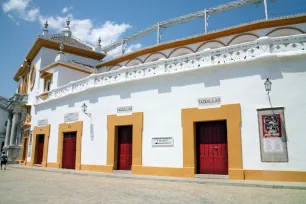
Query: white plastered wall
point(162, 98)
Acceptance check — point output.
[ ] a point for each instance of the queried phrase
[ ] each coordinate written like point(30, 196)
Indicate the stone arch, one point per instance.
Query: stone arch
point(114, 67)
point(284, 32)
point(133, 62)
point(154, 56)
point(214, 44)
point(176, 53)
point(244, 35)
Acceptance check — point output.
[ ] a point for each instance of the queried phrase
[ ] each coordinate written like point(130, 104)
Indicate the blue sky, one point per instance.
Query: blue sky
point(21, 21)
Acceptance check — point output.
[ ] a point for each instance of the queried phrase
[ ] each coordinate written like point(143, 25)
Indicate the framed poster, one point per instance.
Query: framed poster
point(271, 125)
point(272, 135)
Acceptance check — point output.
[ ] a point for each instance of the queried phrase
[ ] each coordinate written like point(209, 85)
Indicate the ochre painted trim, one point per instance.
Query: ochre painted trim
point(270, 175)
point(44, 130)
point(52, 165)
point(210, 36)
point(97, 168)
point(164, 171)
point(64, 65)
point(136, 119)
point(24, 148)
point(29, 163)
point(70, 127)
point(232, 114)
point(32, 77)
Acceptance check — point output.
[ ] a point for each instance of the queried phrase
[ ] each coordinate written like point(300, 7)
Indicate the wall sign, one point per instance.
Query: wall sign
point(42, 122)
point(272, 135)
point(125, 109)
point(162, 141)
point(209, 101)
point(71, 117)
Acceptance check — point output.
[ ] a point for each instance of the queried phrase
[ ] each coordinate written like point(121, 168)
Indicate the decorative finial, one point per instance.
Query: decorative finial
point(46, 25)
point(99, 41)
point(60, 57)
point(45, 30)
point(61, 47)
point(68, 22)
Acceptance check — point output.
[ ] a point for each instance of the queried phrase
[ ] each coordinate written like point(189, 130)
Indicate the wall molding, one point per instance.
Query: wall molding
point(262, 48)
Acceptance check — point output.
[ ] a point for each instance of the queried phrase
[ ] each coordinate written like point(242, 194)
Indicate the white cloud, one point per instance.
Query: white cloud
point(66, 9)
point(83, 29)
point(32, 14)
point(13, 19)
point(20, 8)
point(118, 51)
point(18, 5)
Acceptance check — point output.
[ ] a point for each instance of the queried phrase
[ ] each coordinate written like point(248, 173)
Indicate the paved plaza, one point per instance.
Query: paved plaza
point(29, 186)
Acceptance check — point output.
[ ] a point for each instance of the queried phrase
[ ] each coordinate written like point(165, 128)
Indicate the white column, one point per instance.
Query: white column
point(14, 129)
point(8, 131)
point(266, 9)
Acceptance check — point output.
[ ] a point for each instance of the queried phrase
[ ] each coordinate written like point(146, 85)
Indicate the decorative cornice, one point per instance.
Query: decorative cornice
point(42, 41)
point(70, 65)
point(241, 53)
point(242, 28)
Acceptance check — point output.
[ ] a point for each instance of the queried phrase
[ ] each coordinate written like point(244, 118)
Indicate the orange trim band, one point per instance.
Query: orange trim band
point(207, 37)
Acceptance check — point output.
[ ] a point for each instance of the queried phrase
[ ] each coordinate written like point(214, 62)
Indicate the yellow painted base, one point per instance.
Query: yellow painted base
point(97, 168)
point(52, 165)
point(29, 164)
point(236, 174)
point(269, 175)
point(163, 171)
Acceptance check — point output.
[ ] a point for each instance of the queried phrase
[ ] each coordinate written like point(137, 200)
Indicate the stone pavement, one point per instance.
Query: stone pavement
point(30, 186)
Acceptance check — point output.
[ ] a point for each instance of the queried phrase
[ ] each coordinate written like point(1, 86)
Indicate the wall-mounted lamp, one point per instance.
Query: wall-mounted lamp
point(268, 85)
point(84, 109)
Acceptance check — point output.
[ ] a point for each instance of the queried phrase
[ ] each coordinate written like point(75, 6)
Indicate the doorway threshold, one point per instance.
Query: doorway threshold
point(122, 171)
point(212, 176)
point(37, 165)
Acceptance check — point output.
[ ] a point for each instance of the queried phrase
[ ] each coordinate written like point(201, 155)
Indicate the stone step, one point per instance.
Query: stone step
point(122, 172)
point(211, 176)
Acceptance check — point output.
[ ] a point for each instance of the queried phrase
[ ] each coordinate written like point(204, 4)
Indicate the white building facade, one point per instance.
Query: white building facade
point(193, 106)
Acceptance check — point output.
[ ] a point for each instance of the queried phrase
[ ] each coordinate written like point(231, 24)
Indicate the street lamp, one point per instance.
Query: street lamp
point(84, 109)
point(268, 84)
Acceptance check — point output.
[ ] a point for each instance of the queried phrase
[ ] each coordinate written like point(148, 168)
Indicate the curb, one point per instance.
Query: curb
point(222, 182)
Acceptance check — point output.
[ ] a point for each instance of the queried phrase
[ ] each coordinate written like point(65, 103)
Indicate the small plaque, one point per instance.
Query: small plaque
point(125, 109)
point(162, 141)
point(209, 101)
point(42, 122)
point(71, 117)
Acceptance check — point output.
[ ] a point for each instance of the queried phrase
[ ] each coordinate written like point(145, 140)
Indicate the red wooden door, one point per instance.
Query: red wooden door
point(212, 147)
point(125, 147)
point(69, 150)
point(40, 148)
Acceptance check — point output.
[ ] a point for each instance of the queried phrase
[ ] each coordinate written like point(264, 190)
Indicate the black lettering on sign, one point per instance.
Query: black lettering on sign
point(69, 126)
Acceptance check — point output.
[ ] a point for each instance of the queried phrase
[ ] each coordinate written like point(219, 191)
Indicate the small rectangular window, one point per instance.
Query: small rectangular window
point(48, 84)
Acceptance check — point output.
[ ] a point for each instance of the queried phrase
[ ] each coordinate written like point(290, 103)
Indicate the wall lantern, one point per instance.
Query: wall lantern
point(268, 84)
point(84, 109)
